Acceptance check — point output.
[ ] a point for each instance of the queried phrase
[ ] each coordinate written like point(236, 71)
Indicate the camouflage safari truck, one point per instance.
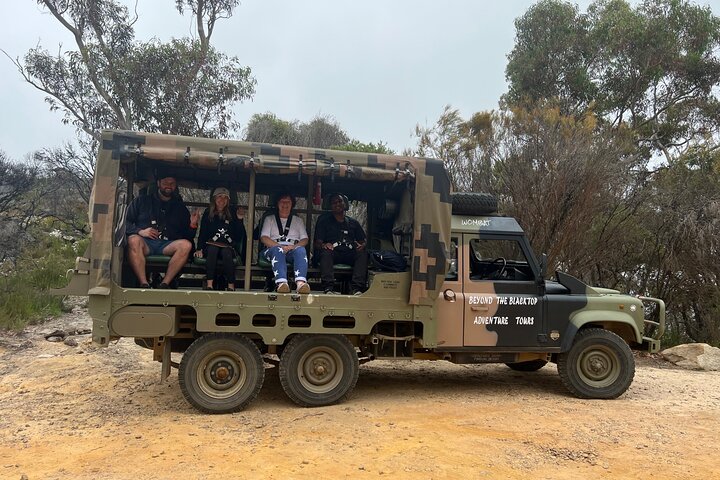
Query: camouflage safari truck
point(472, 291)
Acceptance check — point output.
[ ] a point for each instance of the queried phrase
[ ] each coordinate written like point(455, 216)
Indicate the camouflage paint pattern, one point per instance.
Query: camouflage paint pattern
point(504, 315)
point(471, 322)
point(428, 178)
point(102, 213)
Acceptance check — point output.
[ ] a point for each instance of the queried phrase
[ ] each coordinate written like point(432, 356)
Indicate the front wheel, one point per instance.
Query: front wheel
point(598, 365)
point(221, 373)
point(318, 370)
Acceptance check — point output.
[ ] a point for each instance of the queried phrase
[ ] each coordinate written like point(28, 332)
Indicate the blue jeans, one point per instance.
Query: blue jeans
point(279, 260)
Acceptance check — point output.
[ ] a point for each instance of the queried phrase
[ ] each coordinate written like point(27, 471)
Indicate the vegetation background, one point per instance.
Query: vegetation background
point(605, 146)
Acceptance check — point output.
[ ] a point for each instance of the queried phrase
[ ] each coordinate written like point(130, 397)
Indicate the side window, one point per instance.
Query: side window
point(498, 259)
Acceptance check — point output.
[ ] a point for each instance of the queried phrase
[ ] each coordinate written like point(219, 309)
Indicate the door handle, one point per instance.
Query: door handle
point(479, 308)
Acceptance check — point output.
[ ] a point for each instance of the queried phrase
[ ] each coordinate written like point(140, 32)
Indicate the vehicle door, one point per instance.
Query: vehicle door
point(450, 302)
point(503, 301)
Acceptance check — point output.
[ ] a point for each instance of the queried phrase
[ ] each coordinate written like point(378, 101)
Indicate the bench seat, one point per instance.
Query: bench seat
point(261, 270)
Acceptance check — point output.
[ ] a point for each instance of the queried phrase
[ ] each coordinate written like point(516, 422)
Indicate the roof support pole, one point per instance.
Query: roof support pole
point(250, 221)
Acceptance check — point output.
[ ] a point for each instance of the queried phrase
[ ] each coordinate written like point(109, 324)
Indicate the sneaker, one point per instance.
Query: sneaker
point(283, 287)
point(303, 288)
point(144, 285)
point(228, 289)
point(207, 288)
point(163, 286)
point(357, 292)
point(331, 292)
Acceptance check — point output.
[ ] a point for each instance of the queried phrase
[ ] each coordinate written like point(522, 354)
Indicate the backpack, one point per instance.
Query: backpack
point(388, 261)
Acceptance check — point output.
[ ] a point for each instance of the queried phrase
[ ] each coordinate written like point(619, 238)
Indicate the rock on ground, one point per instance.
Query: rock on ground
point(695, 356)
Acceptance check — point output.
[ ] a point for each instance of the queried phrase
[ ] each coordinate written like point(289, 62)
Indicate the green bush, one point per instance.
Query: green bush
point(24, 283)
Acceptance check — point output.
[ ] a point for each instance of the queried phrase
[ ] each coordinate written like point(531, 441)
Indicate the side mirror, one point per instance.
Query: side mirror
point(543, 267)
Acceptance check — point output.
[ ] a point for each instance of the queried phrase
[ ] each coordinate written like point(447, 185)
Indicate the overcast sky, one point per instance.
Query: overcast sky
point(379, 67)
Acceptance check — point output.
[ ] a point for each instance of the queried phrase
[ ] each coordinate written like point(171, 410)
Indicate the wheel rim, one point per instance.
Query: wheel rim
point(221, 374)
point(598, 366)
point(320, 369)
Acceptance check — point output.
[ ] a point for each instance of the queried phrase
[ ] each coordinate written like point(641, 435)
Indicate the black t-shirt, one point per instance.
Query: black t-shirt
point(344, 234)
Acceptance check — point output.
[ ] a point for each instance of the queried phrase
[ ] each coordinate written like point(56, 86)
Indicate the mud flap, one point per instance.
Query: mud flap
point(161, 353)
point(166, 362)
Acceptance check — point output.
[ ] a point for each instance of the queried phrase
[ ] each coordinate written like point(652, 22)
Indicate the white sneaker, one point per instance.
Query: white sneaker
point(303, 288)
point(283, 287)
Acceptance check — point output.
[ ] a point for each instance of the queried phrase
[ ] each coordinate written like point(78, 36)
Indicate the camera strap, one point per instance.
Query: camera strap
point(283, 232)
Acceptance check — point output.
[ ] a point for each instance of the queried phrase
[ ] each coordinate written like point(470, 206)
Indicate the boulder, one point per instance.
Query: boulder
point(695, 356)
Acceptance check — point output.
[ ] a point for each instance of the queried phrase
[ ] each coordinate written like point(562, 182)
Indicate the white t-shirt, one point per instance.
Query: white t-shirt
point(297, 230)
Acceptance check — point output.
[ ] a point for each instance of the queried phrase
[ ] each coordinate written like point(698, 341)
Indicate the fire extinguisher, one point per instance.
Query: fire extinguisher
point(317, 193)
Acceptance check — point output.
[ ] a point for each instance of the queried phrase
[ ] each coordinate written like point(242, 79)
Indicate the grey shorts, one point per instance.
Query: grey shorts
point(156, 246)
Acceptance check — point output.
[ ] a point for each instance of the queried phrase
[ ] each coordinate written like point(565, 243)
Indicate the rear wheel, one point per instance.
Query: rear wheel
point(598, 365)
point(529, 366)
point(221, 373)
point(317, 370)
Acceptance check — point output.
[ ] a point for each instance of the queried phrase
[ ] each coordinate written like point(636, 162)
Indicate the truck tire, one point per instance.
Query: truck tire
point(529, 366)
point(318, 370)
point(473, 203)
point(221, 373)
point(145, 342)
point(598, 365)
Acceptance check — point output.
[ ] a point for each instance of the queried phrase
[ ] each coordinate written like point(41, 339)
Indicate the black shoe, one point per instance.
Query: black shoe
point(163, 286)
point(228, 289)
point(207, 288)
point(330, 291)
point(144, 285)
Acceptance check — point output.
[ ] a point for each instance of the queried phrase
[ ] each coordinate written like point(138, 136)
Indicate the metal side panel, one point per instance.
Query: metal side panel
point(144, 321)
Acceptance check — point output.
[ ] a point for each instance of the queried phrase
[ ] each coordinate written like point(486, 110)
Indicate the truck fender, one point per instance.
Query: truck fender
point(601, 318)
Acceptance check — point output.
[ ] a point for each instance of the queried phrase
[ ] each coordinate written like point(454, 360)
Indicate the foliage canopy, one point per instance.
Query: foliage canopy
point(652, 68)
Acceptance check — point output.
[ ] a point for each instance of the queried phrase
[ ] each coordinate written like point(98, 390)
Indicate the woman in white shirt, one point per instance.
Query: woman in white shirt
point(284, 237)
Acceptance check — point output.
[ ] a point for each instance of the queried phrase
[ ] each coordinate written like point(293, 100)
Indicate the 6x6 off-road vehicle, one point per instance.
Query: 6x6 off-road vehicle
point(472, 291)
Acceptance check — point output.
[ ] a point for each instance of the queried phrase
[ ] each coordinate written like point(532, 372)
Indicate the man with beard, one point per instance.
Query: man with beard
point(160, 224)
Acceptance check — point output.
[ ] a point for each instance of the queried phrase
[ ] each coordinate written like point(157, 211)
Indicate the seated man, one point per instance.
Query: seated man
point(284, 237)
point(341, 239)
point(160, 224)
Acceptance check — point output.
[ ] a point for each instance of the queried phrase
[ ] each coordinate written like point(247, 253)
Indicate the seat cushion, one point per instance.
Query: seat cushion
point(203, 261)
point(157, 259)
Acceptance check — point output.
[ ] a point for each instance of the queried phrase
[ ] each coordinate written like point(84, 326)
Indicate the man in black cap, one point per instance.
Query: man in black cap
point(341, 239)
point(160, 224)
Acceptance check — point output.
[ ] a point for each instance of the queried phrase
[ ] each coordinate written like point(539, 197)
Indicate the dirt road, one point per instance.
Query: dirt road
point(100, 413)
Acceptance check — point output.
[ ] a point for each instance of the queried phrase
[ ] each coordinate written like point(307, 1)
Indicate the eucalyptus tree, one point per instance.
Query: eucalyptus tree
point(322, 131)
point(111, 79)
point(653, 67)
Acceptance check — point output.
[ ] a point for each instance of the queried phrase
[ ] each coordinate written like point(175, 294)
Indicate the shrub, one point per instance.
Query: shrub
point(24, 283)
